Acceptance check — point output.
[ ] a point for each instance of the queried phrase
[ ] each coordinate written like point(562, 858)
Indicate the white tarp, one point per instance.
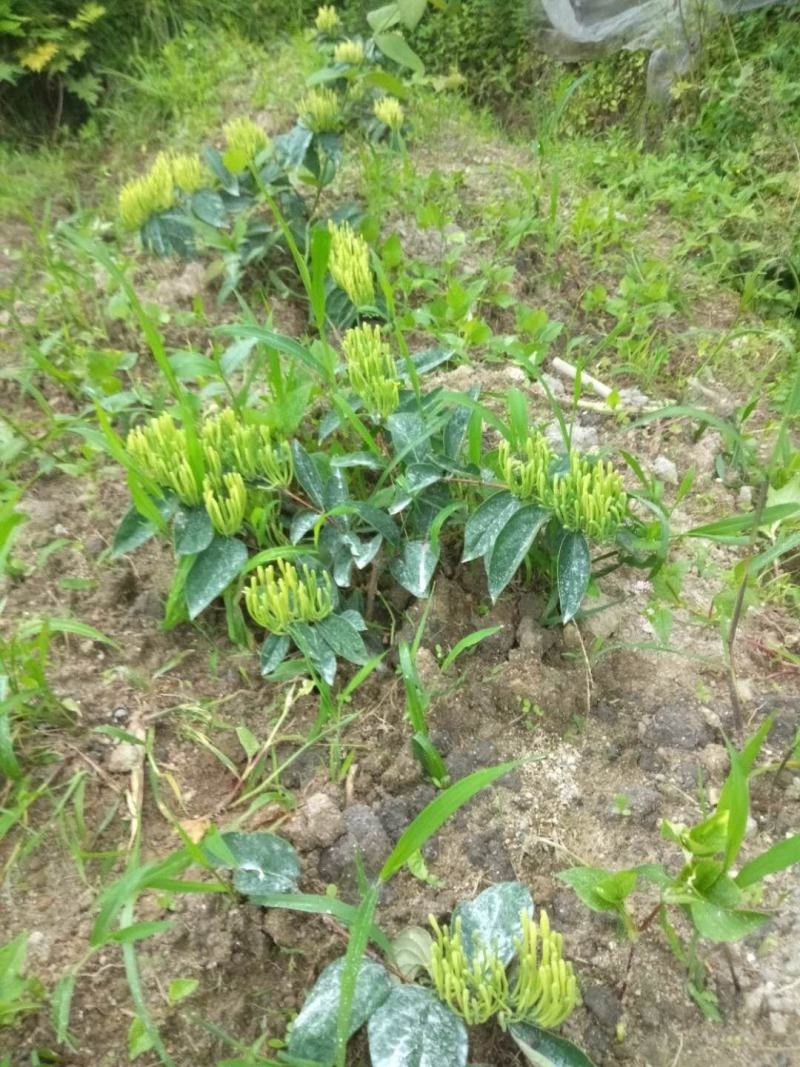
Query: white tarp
point(671, 29)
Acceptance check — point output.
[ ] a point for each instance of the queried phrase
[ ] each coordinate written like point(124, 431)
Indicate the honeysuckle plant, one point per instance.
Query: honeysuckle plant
point(257, 198)
point(306, 533)
point(419, 994)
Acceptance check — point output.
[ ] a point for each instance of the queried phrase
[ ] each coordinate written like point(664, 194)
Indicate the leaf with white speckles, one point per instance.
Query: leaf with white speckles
point(413, 1028)
point(313, 1035)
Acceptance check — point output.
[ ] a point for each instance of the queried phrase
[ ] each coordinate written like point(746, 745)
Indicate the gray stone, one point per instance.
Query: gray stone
point(487, 852)
point(641, 801)
point(666, 470)
point(603, 1003)
point(678, 726)
point(365, 835)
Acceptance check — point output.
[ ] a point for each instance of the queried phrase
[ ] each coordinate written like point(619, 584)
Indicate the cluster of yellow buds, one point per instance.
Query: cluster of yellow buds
point(543, 990)
point(188, 172)
point(590, 497)
point(225, 498)
point(350, 52)
point(349, 263)
point(280, 595)
point(159, 447)
point(321, 111)
point(529, 477)
point(244, 140)
point(256, 454)
point(389, 111)
point(371, 369)
point(327, 20)
point(153, 191)
point(474, 991)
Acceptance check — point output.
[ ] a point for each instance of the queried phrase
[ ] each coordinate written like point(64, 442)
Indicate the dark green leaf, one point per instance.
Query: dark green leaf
point(456, 429)
point(413, 1028)
point(544, 1049)
point(167, 233)
point(213, 571)
point(273, 653)
point(511, 546)
point(209, 207)
point(491, 921)
point(312, 904)
point(291, 147)
point(486, 522)
point(192, 531)
point(135, 529)
point(317, 652)
point(313, 1035)
point(415, 568)
point(307, 475)
point(574, 570)
point(228, 181)
point(343, 638)
point(261, 862)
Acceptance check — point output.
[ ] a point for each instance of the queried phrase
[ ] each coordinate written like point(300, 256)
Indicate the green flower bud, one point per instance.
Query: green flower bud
point(528, 477)
point(244, 141)
point(188, 173)
point(349, 264)
point(321, 111)
point(144, 196)
point(225, 499)
point(159, 448)
point(349, 52)
point(371, 369)
point(389, 111)
point(327, 20)
point(590, 497)
point(280, 595)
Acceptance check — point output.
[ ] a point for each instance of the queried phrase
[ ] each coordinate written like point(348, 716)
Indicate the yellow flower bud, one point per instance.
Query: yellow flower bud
point(225, 499)
point(349, 264)
point(321, 111)
point(371, 369)
point(349, 52)
point(244, 141)
point(327, 20)
point(389, 111)
point(282, 594)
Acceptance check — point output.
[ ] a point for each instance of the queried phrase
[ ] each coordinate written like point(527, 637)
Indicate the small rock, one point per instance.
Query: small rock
point(778, 1023)
point(60, 530)
point(603, 1003)
point(363, 834)
point(120, 715)
point(715, 760)
point(487, 852)
point(94, 546)
point(678, 726)
point(745, 497)
point(666, 470)
point(147, 605)
point(125, 757)
point(641, 801)
point(584, 438)
point(318, 825)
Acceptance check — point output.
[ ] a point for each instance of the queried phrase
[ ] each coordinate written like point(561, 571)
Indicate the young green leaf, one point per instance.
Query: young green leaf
point(781, 855)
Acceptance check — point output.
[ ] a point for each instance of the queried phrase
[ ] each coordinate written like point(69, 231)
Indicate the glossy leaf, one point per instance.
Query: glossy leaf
point(574, 567)
point(308, 475)
point(261, 862)
point(209, 208)
point(192, 531)
point(544, 1049)
point(213, 571)
point(273, 653)
point(413, 1028)
point(313, 1034)
point(491, 921)
point(343, 638)
point(512, 545)
point(134, 529)
point(486, 522)
point(415, 568)
point(318, 653)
